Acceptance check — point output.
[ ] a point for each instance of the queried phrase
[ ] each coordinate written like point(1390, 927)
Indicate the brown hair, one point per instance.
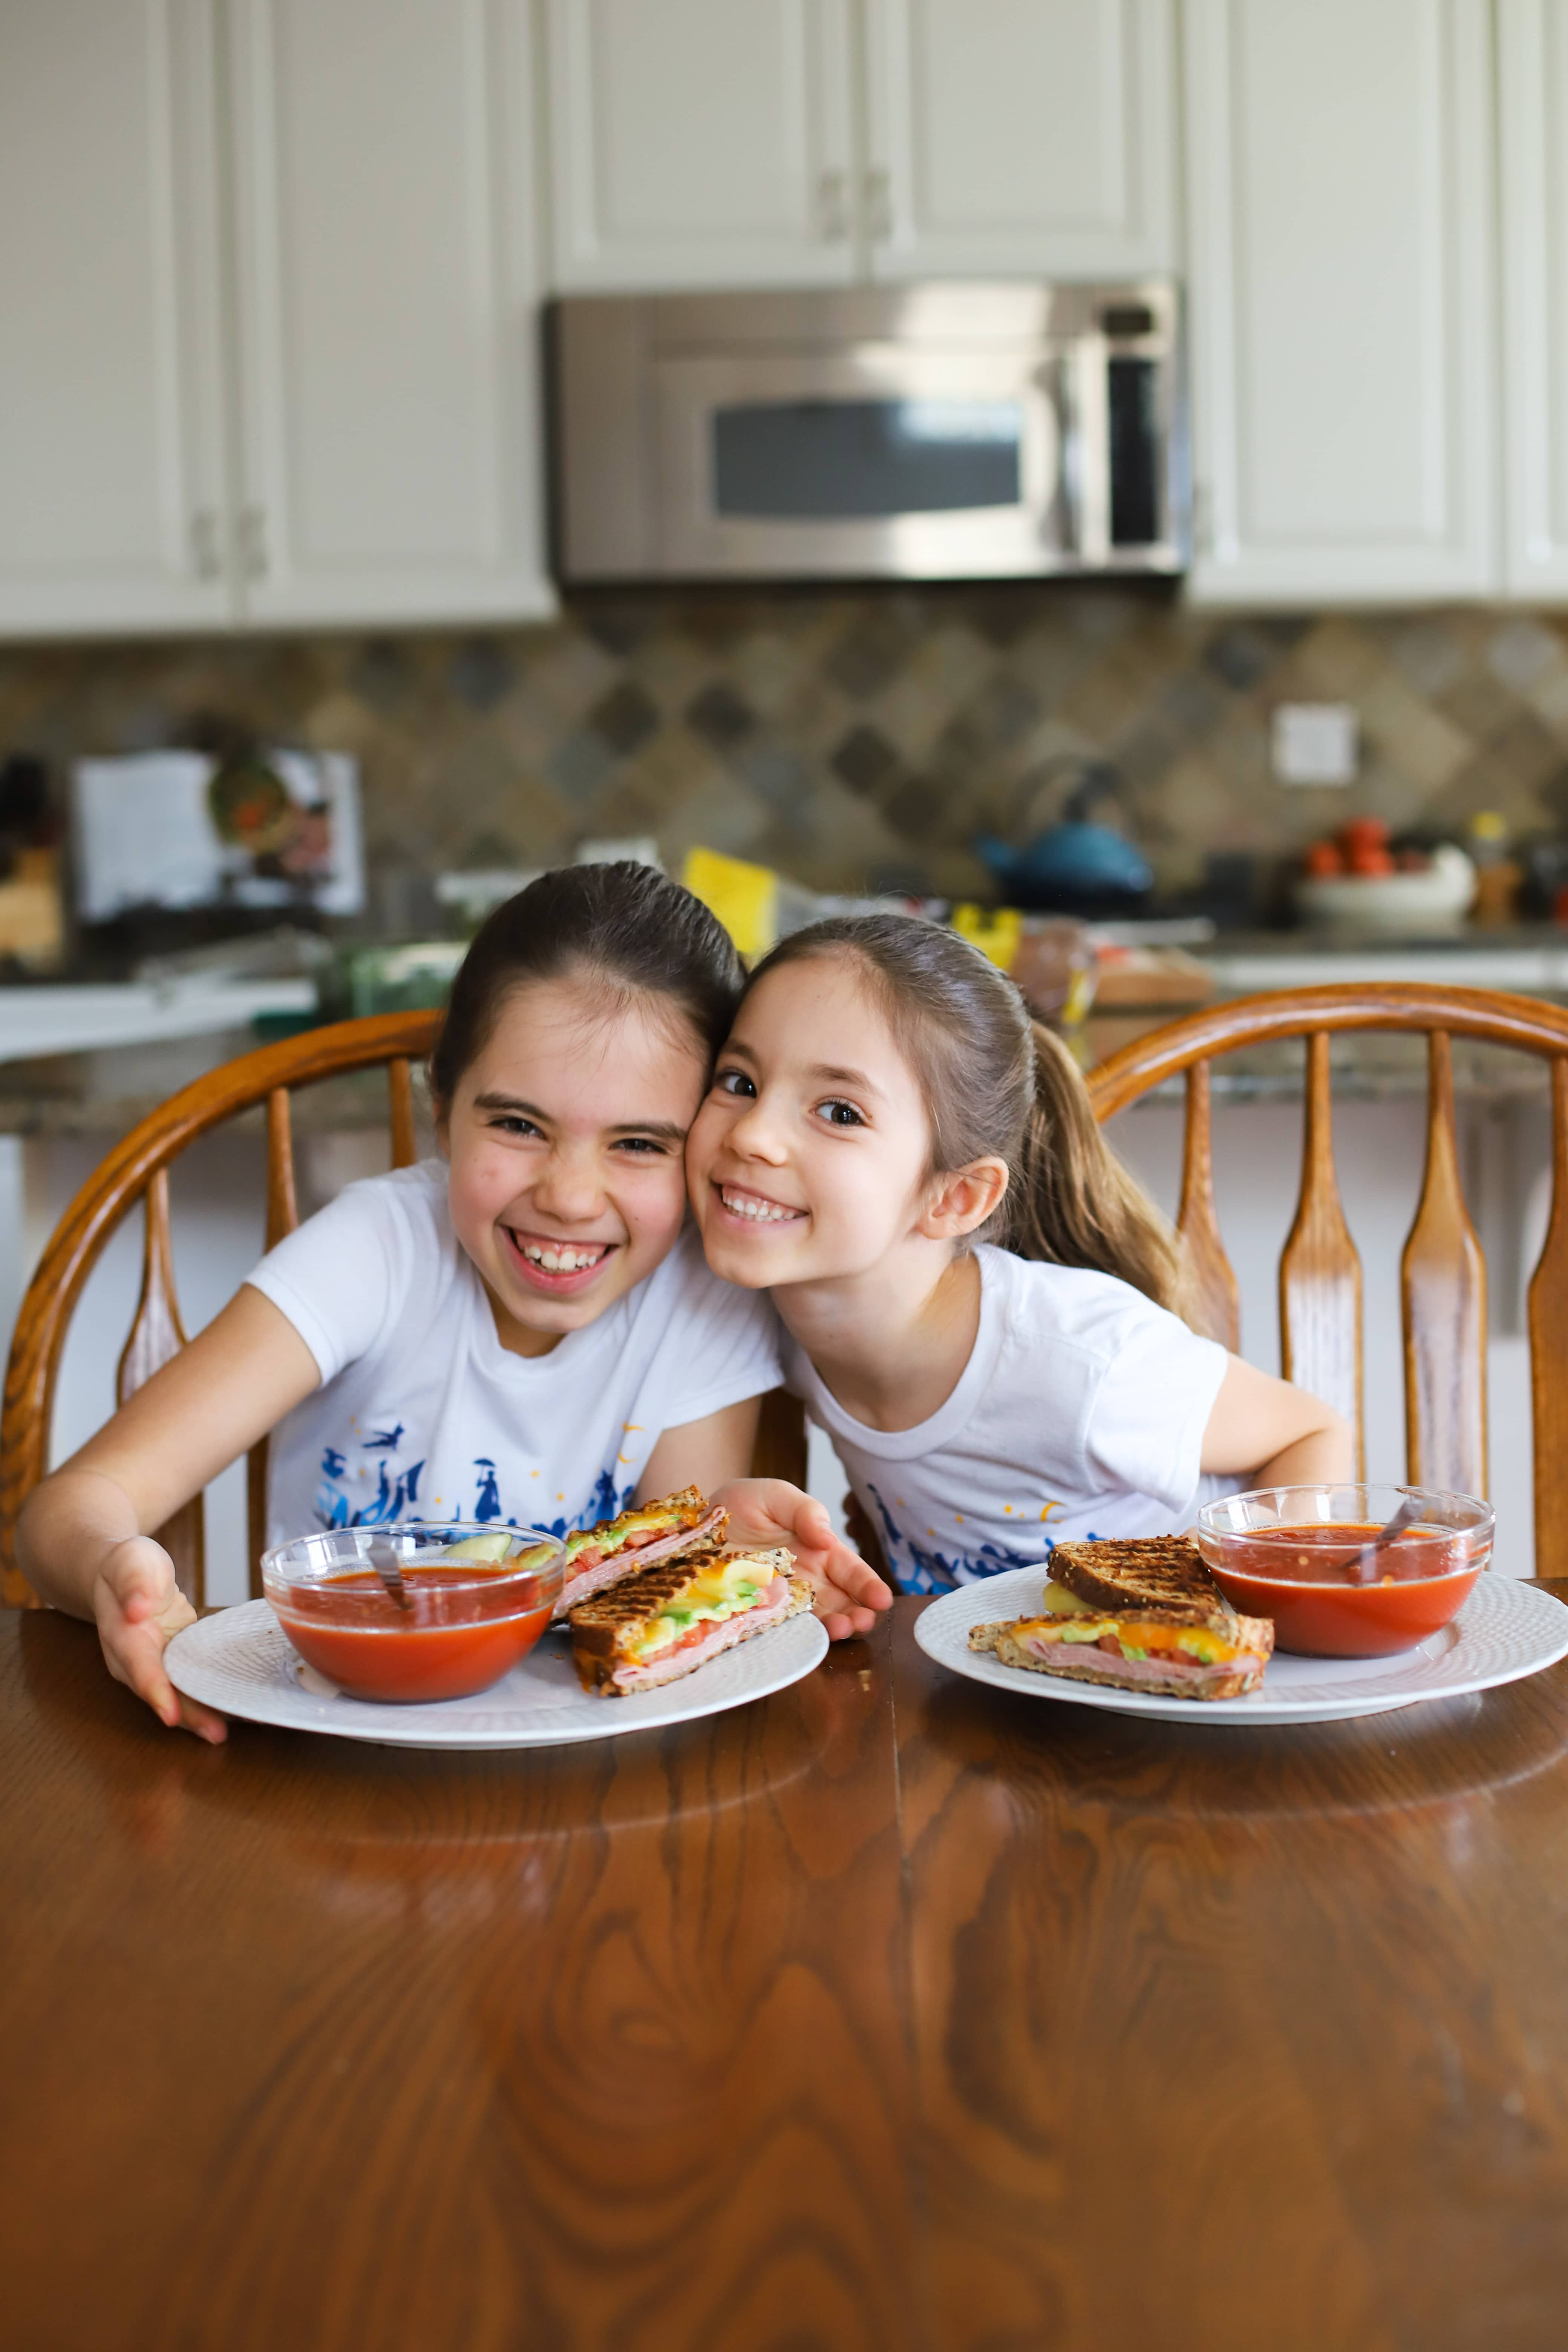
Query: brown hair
point(998, 1085)
point(624, 927)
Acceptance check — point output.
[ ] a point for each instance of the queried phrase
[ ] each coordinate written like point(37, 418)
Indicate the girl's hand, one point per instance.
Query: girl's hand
point(767, 1511)
point(138, 1609)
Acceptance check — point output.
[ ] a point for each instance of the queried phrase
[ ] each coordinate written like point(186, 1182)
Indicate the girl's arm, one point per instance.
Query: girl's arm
point(84, 1538)
point(714, 1455)
point(1275, 1433)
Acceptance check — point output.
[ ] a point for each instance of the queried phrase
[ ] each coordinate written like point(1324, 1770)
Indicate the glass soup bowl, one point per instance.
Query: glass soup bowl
point(467, 1621)
point(1298, 1554)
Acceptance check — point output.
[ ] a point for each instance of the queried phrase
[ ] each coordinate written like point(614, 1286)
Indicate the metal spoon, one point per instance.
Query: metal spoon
point(1409, 1515)
point(381, 1555)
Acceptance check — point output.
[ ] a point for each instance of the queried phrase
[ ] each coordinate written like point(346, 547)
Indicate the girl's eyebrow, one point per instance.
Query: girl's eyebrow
point(824, 1072)
point(666, 1130)
point(855, 1078)
point(513, 1102)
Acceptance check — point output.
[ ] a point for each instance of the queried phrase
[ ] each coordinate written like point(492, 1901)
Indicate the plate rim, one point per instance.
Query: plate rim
point(384, 1732)
point(980, 1666)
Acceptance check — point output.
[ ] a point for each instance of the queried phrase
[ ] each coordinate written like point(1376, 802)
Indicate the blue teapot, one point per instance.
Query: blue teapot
point(1075, 866)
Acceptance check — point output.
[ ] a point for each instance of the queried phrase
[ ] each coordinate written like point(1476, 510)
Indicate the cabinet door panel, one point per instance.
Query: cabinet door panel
point(111, 411)
point(1341, 295)
point(1534, 117)
point(387, 328)
point(700, 143)
point(1020, 135)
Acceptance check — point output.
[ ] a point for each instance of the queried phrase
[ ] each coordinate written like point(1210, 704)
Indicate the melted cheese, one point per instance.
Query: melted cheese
point(1135, 1638)
point(710, 1595)
point(1058, 1602)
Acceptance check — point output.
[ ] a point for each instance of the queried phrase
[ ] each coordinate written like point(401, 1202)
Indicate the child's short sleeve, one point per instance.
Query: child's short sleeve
point(1146, 1425)
point(337, 1276)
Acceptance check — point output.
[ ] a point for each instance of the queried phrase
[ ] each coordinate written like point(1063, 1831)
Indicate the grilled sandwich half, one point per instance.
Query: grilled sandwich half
point(683, 1527)
point(662, 1622)
point(1142, 1616)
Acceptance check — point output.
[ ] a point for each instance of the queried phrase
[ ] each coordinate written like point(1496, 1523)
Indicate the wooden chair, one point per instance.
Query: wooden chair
point(138, 1168)
point(1442, 1271)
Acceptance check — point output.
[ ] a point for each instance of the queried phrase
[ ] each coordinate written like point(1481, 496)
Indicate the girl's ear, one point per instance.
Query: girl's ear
point(962, 1200)
point(443, 1118)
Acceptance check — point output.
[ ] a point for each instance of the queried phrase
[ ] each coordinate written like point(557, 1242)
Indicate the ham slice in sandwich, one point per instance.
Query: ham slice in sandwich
point(665, 1622)
point(683, 1527)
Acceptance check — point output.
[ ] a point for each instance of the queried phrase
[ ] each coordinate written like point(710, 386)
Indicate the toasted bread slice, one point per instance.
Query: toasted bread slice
point(1160, 1573)
point(664, 1621)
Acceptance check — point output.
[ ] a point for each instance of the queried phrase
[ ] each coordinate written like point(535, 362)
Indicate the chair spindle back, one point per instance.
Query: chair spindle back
point(1443, 1279)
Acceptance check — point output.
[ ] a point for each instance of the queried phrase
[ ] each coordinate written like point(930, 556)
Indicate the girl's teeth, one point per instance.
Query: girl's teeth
point(566, 1261)
point(765, 1212)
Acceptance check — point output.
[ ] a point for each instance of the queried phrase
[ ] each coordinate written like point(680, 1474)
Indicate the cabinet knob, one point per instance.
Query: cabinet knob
point(878, 198)
point(206, 552)
point(833, 206)
point(253, 542)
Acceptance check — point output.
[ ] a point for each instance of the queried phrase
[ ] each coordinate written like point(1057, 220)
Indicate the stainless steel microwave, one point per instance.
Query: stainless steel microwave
point(942, 432)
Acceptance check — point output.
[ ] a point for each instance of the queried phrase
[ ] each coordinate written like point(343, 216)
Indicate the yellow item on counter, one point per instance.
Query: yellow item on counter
point(994, 930)
point(31, 916)
point(745, 897)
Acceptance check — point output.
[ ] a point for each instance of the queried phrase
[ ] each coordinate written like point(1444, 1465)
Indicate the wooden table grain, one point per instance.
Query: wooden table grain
point(891, 2012)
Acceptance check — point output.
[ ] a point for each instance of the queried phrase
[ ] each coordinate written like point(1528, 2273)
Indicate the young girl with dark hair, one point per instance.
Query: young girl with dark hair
point(983, 1309)
point(521, 1330)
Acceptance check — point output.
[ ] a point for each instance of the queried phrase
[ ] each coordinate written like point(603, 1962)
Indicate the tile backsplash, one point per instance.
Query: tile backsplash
point(851, 738)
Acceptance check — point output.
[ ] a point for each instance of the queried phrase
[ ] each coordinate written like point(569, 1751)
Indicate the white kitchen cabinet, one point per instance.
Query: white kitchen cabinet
point(1341, 225)
point(1532, 62)
point(1020, 137)
point(386, 278)
point(110, 370)
point(700, 143)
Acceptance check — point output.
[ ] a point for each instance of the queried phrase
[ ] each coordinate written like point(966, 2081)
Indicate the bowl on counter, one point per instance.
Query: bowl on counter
point(1397, 906)
point(1295, 1554)
point(477, 1600)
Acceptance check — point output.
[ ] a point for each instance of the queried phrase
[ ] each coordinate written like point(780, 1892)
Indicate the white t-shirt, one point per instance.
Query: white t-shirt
point(1081, 1413)
point(423, 1414)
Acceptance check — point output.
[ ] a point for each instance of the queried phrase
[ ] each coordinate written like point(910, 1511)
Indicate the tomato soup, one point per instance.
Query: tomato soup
point(461, 1631)
point(1307, 1580)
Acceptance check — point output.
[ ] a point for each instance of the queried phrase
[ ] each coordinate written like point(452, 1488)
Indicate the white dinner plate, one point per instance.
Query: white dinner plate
point(1506, 1630)
point(240, 1661)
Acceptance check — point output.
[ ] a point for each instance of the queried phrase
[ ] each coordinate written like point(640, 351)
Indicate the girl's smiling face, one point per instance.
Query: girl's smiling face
point(565, 1138)
point(809, 1159)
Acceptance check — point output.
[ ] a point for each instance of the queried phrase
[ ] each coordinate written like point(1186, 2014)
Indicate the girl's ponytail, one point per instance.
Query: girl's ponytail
point(1072, 1202)
point(997, 1084)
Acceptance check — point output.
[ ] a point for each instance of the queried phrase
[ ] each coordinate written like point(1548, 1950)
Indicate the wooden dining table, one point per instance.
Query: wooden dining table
point(891, 2011)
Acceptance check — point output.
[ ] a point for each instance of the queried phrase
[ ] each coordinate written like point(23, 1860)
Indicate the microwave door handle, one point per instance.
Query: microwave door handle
point(1090, 367)
point(1059, 518)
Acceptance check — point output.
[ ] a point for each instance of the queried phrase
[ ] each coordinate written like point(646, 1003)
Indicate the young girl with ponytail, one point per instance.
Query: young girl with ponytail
point(521, 1330)
point(983, 1309)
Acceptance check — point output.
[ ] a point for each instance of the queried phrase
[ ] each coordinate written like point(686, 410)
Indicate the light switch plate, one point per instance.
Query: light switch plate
point(1314, 743)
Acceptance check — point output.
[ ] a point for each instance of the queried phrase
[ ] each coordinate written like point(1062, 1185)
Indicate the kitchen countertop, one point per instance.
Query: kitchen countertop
point(85, 1015)
point(103, 1092)
point(1531, 959)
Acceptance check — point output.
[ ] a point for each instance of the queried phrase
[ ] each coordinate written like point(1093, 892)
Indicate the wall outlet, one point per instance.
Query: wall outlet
point(1314, 743)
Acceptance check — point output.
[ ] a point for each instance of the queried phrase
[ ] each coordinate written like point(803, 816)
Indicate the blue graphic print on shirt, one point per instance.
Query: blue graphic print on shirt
point(935, 1572)
point(395, 1497)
